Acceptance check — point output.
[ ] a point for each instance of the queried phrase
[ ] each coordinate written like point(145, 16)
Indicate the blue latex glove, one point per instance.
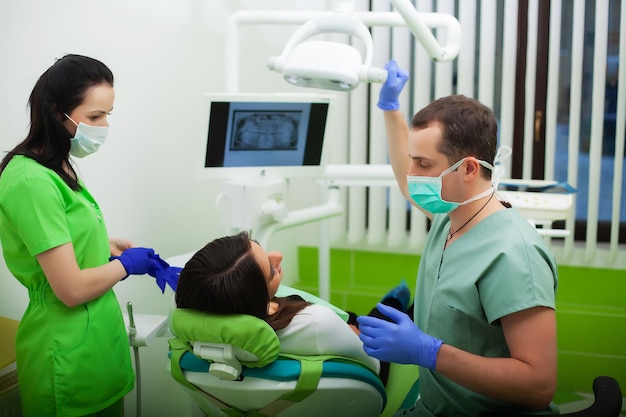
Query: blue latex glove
point(135, 260)
point(164, 273)
point(400, 341)
point(389, 92)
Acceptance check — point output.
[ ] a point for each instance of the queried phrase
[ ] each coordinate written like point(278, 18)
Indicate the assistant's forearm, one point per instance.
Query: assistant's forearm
point(505, 379)
point(93, 283)
point(72, 285)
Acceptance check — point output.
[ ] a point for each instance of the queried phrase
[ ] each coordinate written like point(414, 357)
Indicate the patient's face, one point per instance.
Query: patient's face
point(270, 264)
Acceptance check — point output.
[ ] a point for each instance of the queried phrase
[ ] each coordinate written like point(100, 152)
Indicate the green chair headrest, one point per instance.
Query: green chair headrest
point(243, 331)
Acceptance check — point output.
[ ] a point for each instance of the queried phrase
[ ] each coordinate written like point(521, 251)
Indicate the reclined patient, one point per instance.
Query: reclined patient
point(235, 275)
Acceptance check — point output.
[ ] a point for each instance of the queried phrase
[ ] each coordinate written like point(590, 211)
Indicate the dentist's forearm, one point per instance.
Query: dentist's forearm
point(504, 379)
point(397, 139)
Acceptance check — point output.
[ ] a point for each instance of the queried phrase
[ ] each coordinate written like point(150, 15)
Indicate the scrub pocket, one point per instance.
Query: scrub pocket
point(450, 325)
point(471, 333)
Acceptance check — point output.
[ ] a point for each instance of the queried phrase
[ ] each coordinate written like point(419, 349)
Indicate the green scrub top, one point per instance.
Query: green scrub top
point(70, 361)
point(498, 267)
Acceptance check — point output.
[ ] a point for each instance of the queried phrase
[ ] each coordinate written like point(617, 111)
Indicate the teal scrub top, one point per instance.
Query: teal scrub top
point(70, 361)
point(498, 267)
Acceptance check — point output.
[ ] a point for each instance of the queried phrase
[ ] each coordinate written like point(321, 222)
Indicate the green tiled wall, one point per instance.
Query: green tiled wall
point(591, 320)
point(591, 307)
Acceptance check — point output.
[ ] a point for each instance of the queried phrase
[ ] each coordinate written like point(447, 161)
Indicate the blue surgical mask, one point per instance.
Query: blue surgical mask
point(426, 191)
point(87, 138)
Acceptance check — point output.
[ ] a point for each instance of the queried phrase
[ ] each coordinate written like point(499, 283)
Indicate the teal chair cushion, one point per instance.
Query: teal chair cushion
point(287, 369)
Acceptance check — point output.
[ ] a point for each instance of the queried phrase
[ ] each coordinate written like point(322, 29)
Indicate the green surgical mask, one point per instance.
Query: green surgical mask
point(426, 191)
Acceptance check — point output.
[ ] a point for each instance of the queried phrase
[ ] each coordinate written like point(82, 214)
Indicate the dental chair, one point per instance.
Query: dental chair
point(230, 365)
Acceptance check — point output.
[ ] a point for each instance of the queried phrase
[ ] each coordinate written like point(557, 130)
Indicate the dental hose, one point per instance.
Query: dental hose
point(136, 352)
point(132, 331)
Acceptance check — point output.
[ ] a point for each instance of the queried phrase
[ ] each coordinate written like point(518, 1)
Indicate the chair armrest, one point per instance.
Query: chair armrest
point(607, 402)
point(608, 399)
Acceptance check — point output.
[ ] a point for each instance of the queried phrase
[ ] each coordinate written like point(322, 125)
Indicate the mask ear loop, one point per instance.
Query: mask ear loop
point(452, 168)
point(503, 153)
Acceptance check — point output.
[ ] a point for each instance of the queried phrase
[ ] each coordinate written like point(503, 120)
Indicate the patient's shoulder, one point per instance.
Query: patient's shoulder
point(311, 325)
point(319, 310)
point(315, 317)
point(322, 316)
point(284, 291)
point(318, 330)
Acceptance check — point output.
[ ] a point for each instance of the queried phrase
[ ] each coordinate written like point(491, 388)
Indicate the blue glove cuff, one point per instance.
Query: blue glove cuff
point(112, 258)
point(432, 364)
point(385, 105)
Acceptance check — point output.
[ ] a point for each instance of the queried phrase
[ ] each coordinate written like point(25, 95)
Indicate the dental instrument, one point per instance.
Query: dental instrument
point(142, 329)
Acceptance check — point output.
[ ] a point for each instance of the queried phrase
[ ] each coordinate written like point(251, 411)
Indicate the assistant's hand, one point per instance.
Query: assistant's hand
point(135, 260)
point(389, 92)
point(400, 341)
point(118, 245)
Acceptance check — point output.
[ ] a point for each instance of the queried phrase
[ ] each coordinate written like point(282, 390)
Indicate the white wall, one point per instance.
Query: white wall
point(164, 54)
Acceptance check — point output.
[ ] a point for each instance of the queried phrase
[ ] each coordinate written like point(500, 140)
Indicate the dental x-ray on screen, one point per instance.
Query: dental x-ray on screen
point(265, 134)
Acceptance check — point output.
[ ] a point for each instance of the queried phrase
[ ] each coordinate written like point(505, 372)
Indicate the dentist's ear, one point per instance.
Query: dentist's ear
point(472, 167)
point(469, 168)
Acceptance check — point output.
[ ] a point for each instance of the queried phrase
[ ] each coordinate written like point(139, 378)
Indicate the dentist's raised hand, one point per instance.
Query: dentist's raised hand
point(399, 341)
point(389, 92)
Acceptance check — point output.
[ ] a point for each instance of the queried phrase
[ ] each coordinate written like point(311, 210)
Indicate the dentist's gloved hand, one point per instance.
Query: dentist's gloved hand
point(399, 341)
point(136, 261)
point(389, 92)
point(164, 273)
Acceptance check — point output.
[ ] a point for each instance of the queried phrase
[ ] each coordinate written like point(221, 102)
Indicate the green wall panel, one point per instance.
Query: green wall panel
point(594, 331)
point(384, 270)
point(601, 287)
point(576, 372)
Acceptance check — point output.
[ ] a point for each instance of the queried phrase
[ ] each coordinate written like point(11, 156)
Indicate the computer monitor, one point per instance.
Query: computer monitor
point(256, 135)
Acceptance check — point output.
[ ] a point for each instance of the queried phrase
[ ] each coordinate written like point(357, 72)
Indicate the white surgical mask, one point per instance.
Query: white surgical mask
point(87, 139)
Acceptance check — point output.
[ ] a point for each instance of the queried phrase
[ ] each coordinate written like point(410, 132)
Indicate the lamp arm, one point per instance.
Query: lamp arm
point(303, 216)
point(350, 26)
point(420, 30)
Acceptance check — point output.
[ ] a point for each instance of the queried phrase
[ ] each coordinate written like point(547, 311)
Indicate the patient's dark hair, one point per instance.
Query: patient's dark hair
point(224, 277)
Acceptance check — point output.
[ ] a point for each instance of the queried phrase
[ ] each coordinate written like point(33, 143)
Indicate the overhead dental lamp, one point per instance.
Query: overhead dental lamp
point(339, 66)
point(327, 65)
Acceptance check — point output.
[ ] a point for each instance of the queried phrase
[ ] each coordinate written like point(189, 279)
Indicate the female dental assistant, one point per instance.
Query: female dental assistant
point(73, 355)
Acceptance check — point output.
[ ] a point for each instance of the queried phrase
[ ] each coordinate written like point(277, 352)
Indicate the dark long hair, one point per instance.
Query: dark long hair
point(224, 277)
point(59, 90)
